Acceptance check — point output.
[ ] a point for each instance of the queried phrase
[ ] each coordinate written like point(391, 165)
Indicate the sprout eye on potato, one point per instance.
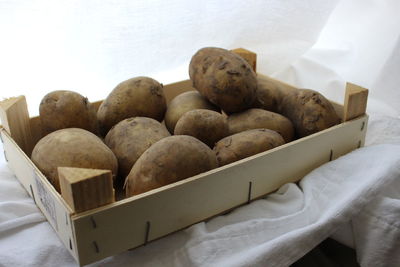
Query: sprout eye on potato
point(66, 109)
point(206, 125)
point(309, 111)
point(140, 96)
point(224, 78)
point(72, 147)
point(130, 138)
point(259, 118)
point(183, 103)
point(169, 160)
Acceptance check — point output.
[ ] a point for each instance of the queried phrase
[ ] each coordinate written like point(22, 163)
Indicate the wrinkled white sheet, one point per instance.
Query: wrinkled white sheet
point(357, 196)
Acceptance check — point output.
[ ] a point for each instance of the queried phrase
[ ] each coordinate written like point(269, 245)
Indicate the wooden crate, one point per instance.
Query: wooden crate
point(95, 234)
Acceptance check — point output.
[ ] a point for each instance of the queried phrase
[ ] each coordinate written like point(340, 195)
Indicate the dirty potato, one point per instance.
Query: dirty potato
point(67, 109)
point(259, 118)
point(183, 103)
point(309, 111)
point(206, 125)
point(224, 78)
point(169, 160)
point(140, 96)
point(130, 138)
point(72, 147)
point(245, 144)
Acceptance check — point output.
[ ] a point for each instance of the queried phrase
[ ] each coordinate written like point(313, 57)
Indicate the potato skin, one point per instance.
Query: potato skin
point(259, 118)
point(66, 109)
point(72, 147)
point(309, 111)
point(224, 78)
point(130, 138)
point(140, 96)
point(183, 103)
point(206, 125)
point(169, 160)
point(245, 144)
point(268, 95)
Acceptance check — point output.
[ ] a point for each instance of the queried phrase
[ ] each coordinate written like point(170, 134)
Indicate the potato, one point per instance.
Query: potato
point(136, 97)
point(72, 147)
point(224, 78)
point(268, 95)
point(245, 144)
point(130, 138)
point(67, 109)
point(206, 125)
point(309, 111)
point(169, 160)
point(259, 118)
point(183, 103)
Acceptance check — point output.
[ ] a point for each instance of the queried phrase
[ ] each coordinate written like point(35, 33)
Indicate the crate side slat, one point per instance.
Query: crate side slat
point(124, 224)
point(50, 203)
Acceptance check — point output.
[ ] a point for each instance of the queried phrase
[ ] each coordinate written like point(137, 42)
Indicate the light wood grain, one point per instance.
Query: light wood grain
point(249, 56)
point(355, 103)
point(85, 189)
point(15, 120)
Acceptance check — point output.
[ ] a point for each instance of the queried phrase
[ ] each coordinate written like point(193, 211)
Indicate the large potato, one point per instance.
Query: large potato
point(72, 147)
point(130, 138)
point(67, 109)
point(309, 111)
point(183, 103)
point(140, 96)
point(245, 144)
point(206, 125)
point(259, 118)
point(224, 78)
point(169, 160)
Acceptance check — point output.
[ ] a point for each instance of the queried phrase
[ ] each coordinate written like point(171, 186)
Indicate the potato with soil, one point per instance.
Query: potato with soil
point(183, 103)
point(224, 78)
point(136, 97)
point(309, 111)
point(130, 138)
point(260, 118)
point(72, 147)
point(169, 160)
point(66, 109)
point(206, 125)
point(245, 144)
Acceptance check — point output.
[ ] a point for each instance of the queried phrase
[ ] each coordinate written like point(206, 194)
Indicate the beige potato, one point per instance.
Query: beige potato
point(136, 97)
point(183, 103)
point(72, 147)
point(259, 118)
point(224, 78)
point(130, 138)
point(245, 144)
point(169, 160)
point(66, 109)
point(309, 111)
point(206, 125)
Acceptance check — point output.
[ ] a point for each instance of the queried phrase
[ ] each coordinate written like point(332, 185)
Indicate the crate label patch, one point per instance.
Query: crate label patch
point(47, 201)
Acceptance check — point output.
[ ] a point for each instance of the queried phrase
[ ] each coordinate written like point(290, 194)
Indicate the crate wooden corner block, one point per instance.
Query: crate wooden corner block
point(84, 189)
point(118, 226)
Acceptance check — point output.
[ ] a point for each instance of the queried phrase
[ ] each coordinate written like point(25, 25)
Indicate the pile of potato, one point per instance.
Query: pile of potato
point(147, 144)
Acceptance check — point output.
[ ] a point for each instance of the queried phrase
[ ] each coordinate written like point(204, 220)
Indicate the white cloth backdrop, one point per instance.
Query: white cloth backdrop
point(90, 46)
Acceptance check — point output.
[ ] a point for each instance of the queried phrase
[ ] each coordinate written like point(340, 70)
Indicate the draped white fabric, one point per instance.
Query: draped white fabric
point(90, 46)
